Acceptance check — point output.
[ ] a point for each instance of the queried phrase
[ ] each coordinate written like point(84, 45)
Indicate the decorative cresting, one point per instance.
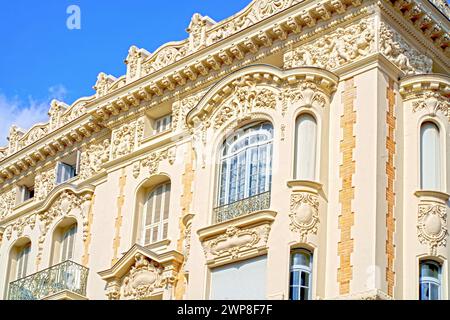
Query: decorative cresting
point(141, 274)
point(304, 208)
point(428, 94)
point(239, 238)
point(68, 202)
point(432, 229)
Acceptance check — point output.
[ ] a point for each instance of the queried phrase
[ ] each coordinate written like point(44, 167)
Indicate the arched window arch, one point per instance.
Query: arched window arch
point(430, 156)
point(300, 284)
point(430, 282)
point(155, 221)
point(19, 260)
point(305, 147)
point(64, 240)
point(245, 168)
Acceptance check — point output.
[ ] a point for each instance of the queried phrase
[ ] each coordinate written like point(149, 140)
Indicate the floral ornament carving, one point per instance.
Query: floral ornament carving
point(7, 202)
point(14, 136)
point(266, 8)
point(55, 113)
point(132, 61)
point(304, 214)
point(67, 203)
point(181, 108)
point(336, 49)
point(433, 102)
point(104, 83)
point(74, 112)
point(127, 138)
point(199, 139)
point(44, 183)
point(247, 96)
point(400, 53)
point(197, 32)
point(33, 135)
point(93, 158)
point(307, 94)
point(236, 241)
point(432, 226)
point(144, 277)
point(164, 57)
point(153, 161)
point(19, 226)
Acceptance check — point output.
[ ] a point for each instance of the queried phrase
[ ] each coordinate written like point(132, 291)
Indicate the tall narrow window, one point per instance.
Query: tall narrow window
point(430, 280)
point(22, 261)
point(156, 215)
point(430, 154)
point(300, 275)
point(68, 243)
point(306, 147)
point(246, 165)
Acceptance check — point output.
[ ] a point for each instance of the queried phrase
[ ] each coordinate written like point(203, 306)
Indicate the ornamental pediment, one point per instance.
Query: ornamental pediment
point(141, 274)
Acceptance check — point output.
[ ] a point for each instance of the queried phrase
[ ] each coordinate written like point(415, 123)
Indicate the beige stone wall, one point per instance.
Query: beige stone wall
point(355, 66)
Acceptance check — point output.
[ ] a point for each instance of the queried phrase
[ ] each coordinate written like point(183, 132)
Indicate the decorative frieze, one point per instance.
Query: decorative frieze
point(400, 53)
point(335, 49)
point(93, 158)
point(127, 138)
point(19, 226)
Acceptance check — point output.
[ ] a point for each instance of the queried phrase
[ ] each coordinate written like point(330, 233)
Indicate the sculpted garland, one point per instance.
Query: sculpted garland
point(432, 102)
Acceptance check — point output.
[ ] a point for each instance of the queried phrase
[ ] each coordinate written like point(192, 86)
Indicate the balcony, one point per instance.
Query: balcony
point(242, 207)
point(64, 277)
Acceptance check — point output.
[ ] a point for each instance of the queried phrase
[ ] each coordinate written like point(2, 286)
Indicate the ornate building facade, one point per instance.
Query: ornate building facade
point(296, 150)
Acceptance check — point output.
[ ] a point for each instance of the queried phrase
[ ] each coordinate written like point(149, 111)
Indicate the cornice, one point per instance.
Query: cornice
point(413, 85)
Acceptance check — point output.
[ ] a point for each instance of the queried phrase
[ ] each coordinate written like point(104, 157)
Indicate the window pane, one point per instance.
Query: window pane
point(301, 259)
point(430, 157)
point(294, 294)
point(166, 202)
point(305, 279)
point(304, 293)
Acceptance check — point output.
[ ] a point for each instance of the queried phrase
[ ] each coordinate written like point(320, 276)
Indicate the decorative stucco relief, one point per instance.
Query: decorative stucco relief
point(103, 84)
point(143, 279)
point(432, 102)
point(44, 182)
point(127, 138)
point(236, 241)
point(305, 94)
point(92, 159)
point(19, 226)
point(335, 49)
point(400, 53)
point(7, 202)
point(304, 214)
point(432, 226)
point(182, 107)
point(67, 204)
point(153, 161)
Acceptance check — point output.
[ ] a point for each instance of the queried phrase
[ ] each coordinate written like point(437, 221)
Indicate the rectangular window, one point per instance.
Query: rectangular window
point(68, 168)
point(22, 262)
point(430, 280)
point(244, 280)
point(163, 124)
point(26, 193)
point(157, 215)
point(300, 275)
point(68, 243)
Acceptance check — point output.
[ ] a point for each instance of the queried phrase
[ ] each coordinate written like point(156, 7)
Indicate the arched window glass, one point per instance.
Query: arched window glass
point(22, 261)
point(68, 243)
point(430, 280)
point(430, 154)
point(300, 275)
point(306, 147)
point(156, 215)
point(246, 164)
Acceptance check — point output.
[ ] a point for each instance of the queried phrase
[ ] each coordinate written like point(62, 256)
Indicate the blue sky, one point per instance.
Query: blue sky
point(41, 59)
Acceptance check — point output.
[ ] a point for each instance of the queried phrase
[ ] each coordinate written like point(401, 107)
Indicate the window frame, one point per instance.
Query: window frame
point(162, 226)
point(301, 269)
point(424, 280)
point(226, 158)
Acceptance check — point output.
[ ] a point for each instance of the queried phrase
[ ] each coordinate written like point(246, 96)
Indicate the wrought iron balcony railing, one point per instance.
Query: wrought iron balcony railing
point(245, 206)
point(68, 276)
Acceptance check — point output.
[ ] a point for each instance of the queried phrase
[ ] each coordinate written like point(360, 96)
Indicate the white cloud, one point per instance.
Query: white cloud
point(25, 114)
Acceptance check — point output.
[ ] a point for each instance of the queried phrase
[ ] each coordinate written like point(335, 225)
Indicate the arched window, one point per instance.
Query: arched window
point(305, 147)
point(156, 215)
point(300, 275)
point(430, 280)
point(19, 260)
point(430, 154)
point(245, 167)
point(64, 241)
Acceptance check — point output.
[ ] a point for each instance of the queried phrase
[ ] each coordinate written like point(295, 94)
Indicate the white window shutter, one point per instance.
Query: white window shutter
point(306, 148)
point(430, 154)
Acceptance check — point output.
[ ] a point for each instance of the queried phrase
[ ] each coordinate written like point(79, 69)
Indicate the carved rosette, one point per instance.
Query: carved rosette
point(432, 226)
point(304, 214)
